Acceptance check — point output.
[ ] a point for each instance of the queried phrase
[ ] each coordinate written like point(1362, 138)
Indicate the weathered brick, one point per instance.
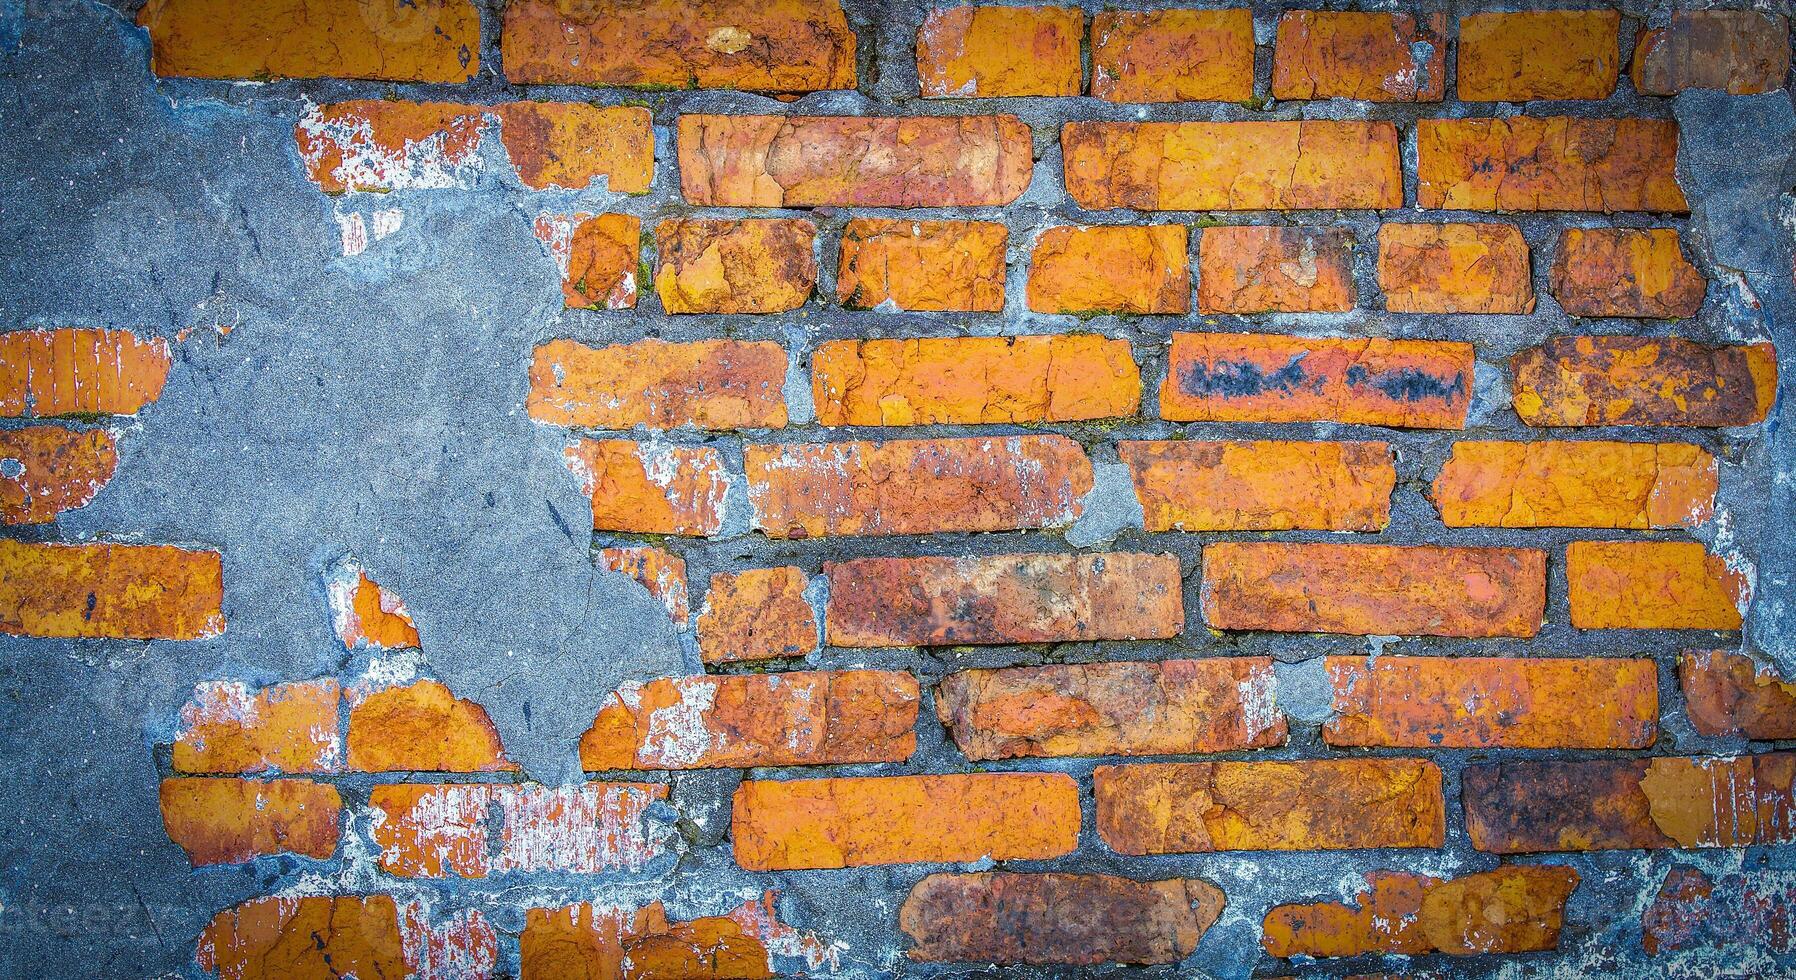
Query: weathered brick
point(759, 614)
point(384, 40)
point(347, 935)
point(1625, 272)
point(853, 822)
point(803, 718)
point(1374, 590)
point(934, 601)
point(658, 570)
point(603, 942)
point(1493, 702)
point(651, 489)
point(1199, 807)
point(1731, 694)
point(1172, 55)
point(1539, 54)
point(1274, 269)
point(752, 45)
point(122, 591)
point(362, 613)
point(974, 380)
point(471, 830)
point(230, 821)
point(1170, 708)
point(835, 489)
point(47, 469)
point(1232, 166)
point(1651, 585)
point(1072, 919)
point(1579, 381)
point(934, 266)
point(1635, 485)
point(756, 265)
point(597, 256)
point(1552, 163)
point(79, 371)
point(1373, 57)
point(1508, 910)
point(1454, 268)
point(287, 728)
point(1743, 52)
point(853, 161)
point(1186, 485)
point(1754, 910)
point(1110, 269)
point(1247, 377)
point(422, 727)
point(704, 384)
point(990, 52)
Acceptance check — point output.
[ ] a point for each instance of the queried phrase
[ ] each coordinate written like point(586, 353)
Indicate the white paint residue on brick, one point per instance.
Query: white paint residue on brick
point(556, 233)
point(423, 164)
point(354, 233)
point(577, 829)
point(758, 919)
point(450, 821)
point(1259, 701)
point(677, 736)
point(461, 946)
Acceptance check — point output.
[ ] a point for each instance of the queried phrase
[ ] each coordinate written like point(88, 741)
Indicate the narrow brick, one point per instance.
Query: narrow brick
point(1552, 163)
point(420, 41)
point(751, 45)
point(422, 727)
point(1493, 702)
point(1186, 485)
point(704, 384)
point(756, 265)
point(846, 823)
point(1755, 910)
point(853, 161)
point(1374, 590)
point(1741, 52)
point(1175, 707)
point(1274, 269)
point(79, 371)
point(1232, 166)
point(801, 490)
point(990, 52)
point(1200, 807)
point(1172, 55)
point(231, 821)
point(932, 601)
point(345, 935)
point(362, 613)
point(742, 721)
point(589, 941)
point(119, 591)
point(1110, 269)
point(1539, 54)
point(1005, 918)
point(658, 570)
point(1516, 909)
point(759, 614)
point(931, 266)
point(1732, 695)
point(1582, 381)
point(1454, 268)
point(1246, 377)
point(1625, 272)
point(974, 380)
point(597, 256)
point(47, 469)
point(472, 830)
point(1651, 585)
point(227, 729)
point(651, 489)
point(1371, 57)
point(1633, 485)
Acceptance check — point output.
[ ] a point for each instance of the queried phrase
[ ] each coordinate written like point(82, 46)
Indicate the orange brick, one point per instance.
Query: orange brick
point(1175, 707)
point(472, 830)
point(422, 727)
point(1372, 57)
point(1508, 910)
point(597, 942)
point(932, 601)
point(1625, 272)
point(760, 614)
point(1186, 485)
point(1579, 381)
point(1553, 163)
point(803, 718)
point(1742, 52)
point(421, 41)
point(1493, 702)
point(846, 823)
point(1636, 485)
point(362, 613)
point(757, 265)
point(1729, 694)
point(230, 821)
point(836, 489)
point(120, 591)
point(989, 52)
point(705, 384)
point(1172, 55)
point(1374, 590)
point(651, 489)
point(47, 469)
point(1454, 268)
point(597, 256)
point(1539, 54)
point(289, 728)
point(1245, 377)
point(1199, 807)
point(326, 937)
point(1651, 585)
point(659, 571)
point(853, 161)
point(752, 45)
point(935, 266)
point(974, 380)
point(1232, 166)
point(46, 373)
point(1110, 269)
point(1274, 269)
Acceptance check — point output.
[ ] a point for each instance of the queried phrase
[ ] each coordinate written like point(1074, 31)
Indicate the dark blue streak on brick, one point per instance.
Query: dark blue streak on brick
point(1409, 384)
point(1244, 379)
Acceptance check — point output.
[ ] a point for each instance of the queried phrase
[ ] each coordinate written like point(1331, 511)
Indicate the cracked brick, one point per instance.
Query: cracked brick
point(1454, 268)
point(974, 380)
point(47, 469)
point(1265, 485)
point(1507, 910)
point(1539, 54)
point(756, 265)
point(1741, 52)
point(1625, 272)
point(1110, 269)
point(934, 266)
point(1647, 585)
point(122, 591)
point(421, 727)
point(1731, 694)
point(1633, 485)
point(1373, 57)
point(990, 52)
point(1275, 269)
point(759, 614)
point(1548, 163)
point(703, 384)
point(79, 371)
point(1585, 381)
point(232, 821)
point(418, 41)
point(1172, 55)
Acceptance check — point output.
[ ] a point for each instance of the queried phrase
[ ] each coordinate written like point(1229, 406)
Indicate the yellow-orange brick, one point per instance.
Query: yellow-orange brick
point(759, 614)
point(1636, 485)
point(1625, 272)
point(290, 728)
point(1187, 485)
point(53, 469)
point(1274, 269)
point(1508, 910)
point(417, 41)
point(705, 384)
point(597, 256)
point(1172, 55)
point(1110, 269)
point(1539, 54)
point(230, 821)
point(989, 52)
point(974, 380)
point(937, 266)
point(1454, 268)
point(422, 727)
point(1554, 163)
point(1734, 694)
point(757, 265)
point(1374, 57)
point(658, 570)
point(45, 373)
point(653, 489)
point(1651, 585)
point(121, 591)
point(1619, 380)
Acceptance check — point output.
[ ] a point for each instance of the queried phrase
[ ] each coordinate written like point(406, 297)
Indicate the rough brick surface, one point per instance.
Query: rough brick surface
point(986, 52)
point(286, 728)
point(1581, 381)
point(706, 384)
point(1625, 272)
point(1729, 694)
point(1110, 269)
point(1186, 485)
point(46, 373)
point(47, 469)
point(1509, 910)
point(601, 942)
point(1634, 485)
point(471, 830)
point(1539, 54)
point(598, 256)
point(651, 489)
point(1172, 55)
point(230, 821)
point(382, 40)
point(1551, 163)
point(123, 591)
point(757, 265)
point(1275, 269)
point(760, 614)
point(1742, 52)
point(1375, 57)
point(344, 935)
point(421, 727)
point(935, 266)
point(362, 613)
point(1651, 585)
point(1745, 914)
point(974, 380)
point(1454, 268)
point(658, 570)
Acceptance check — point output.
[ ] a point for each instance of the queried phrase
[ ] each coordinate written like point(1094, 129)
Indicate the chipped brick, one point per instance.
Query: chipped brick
point(471, 830)
point(658, 570)
point(286, 728)
point(121, 591)
point(1187, 485)
point(602, 942)
point(1652, 585)
point(362, 613)
point(1373, 57)
point(759, 614)
point(1634, 485)
point(1508, 910)
point(1454, 268)
point(1731, 694)
point(1741, 52)
point(1110, 269)
point(78, 371)
point(1539, 54)
point(704, 384)
point(1172, 55)
point(651, 488)
point(1552, 163)
point(1274, 269)
point(934, 266)
point(596, 255)
point(989, 52)
point(756, 265)
point(231, 821)
point(1625, 272)
point(418, 41)
point(1579, 381)
point(47, 469)
point(422, 727)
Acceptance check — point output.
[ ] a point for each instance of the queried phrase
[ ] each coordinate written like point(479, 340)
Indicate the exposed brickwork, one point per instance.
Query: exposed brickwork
point(1742, 52)
point(762, 265)
point(287, 728)
point(54, 469)
point(46, 373)
point(1186, 485)
point(659, 571)
point(597, 256)
point(600, 941)
point(1172, 55)
point(760, 614)
point(1539, 54)
point(230, 821)
point(423, 41)
point(1509, 910)
point(124, 591)
point(1651, 585)
point(1376, 57)
point(1625, 272)
point(1454, 268)
point(1260, 269)
point(1729, 694)
point(1550, 163)
point(938, 266)
point(1110, 269)
point(421, 727)
point(1583, 381)
point(471, 830)
point(651, 489)
point(984, 51)
point(974, 380)
point(708, 384)
point(1636, 485)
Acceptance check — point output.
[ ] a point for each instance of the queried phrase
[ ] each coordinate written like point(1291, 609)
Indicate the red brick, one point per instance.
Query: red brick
point(760, 614)
point(651, 489)
point(1172, 55)
point(989, 52)
point(47, 469)
point(1749, 913)
point(362, 613)
point(1742, 52)
point(757, 265)
point(1635, 485)
point(658, 570)
point(231, 821)
point(326, 936)
point(1368, 589)
point(78, 371)
point(1578, 381)
point(1507, 910)
point(421, 41)
point(1186, 485)
point(1373, 57)
point(421, 727)
point(1552, 163)
point(598, 942)
point(288, 728)
point(1652, 585)
point(1454, 268)
point(934, 266)
point(931, 601)
point(1625, 272)
point(471, 830)
point(1539, 54)
point(705, 384)
point(1110, 269)
point(597, 256)
point(1730, 694)
point(121, 591)
point(1274, 269)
